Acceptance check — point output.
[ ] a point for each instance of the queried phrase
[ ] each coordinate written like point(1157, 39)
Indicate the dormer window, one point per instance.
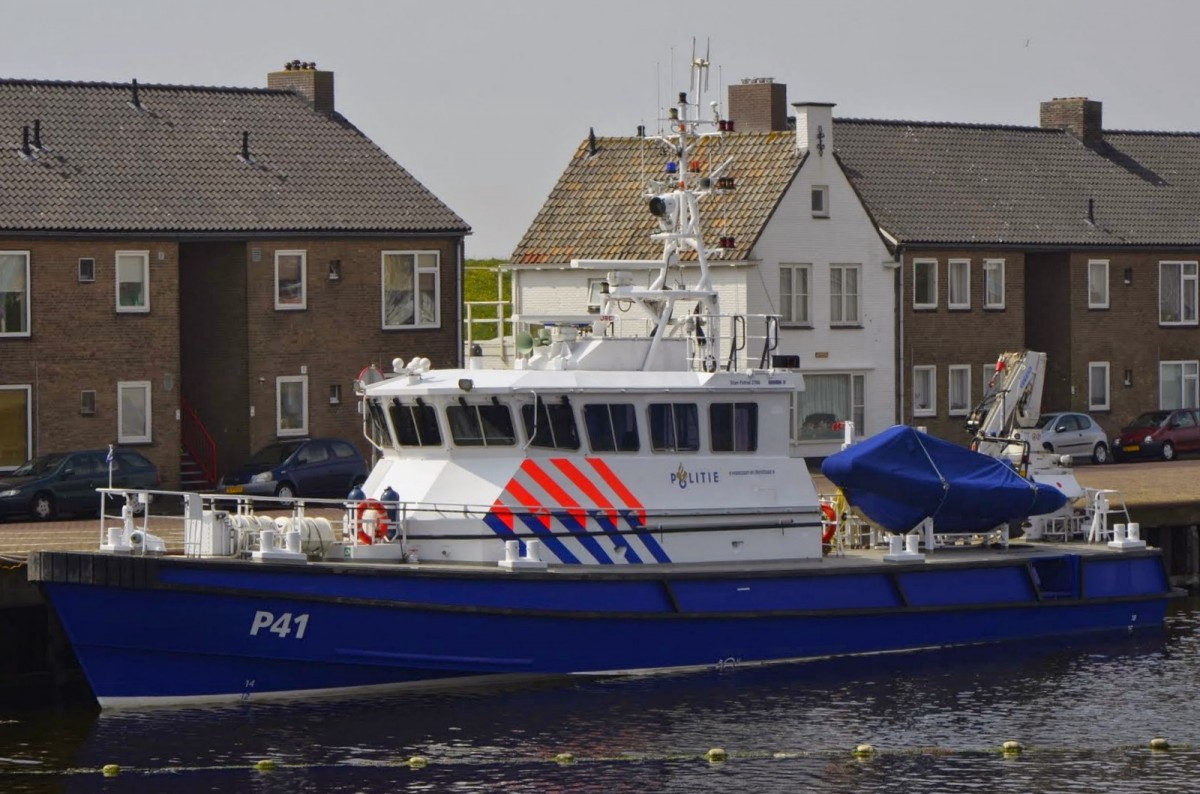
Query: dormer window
point(820, 201)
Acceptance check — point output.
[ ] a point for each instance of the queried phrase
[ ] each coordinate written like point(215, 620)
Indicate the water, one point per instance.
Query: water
point(1084, 709)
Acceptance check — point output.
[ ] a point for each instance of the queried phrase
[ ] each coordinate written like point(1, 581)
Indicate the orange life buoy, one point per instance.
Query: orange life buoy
point(382, 522)
point(831, 519)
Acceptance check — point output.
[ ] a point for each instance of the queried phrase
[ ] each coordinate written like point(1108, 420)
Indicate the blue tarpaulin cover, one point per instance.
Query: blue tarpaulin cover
point(901, 476)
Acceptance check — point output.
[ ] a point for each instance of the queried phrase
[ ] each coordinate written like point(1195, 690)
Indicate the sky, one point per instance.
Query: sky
point(484, 102)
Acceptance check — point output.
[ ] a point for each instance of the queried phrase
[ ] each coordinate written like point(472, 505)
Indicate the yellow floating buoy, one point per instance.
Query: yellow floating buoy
point(418, 762)
point(565, 758)
point(265, 765)
point(111, 770)
point(864, 751)
point(716, 754)
point(1159, 744)
point(1012, 747)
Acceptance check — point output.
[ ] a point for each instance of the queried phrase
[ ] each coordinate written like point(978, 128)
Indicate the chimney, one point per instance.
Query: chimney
point(305, 79)
point(1079, 116)
point(759, 104)
point(814, 127)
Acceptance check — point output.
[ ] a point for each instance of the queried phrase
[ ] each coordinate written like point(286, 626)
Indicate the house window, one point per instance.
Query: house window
point(87, 402)
point(16, 426)
point(924, 283)
point(959, 387)
point(1098, 385)
point(674, 427)
point(410, 289)
point(820, 201)
point(828, 400)
point(14, 293)
point(1098, 284)
point(87, 269)
point(611, 427)
point(924, 394)
point(1177, 293)
point(733, 427)
point(133, 281)
point(291, 280)
point(794, 294)
point(993, 283)
point(844, 295)
point(959, 284)
point(335, 394)
point(133, 412)
point(595, 295)
point(291, 405)
point(1177, 384)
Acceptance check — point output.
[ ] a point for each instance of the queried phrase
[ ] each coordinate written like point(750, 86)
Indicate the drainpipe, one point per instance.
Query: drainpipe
point(459, 310)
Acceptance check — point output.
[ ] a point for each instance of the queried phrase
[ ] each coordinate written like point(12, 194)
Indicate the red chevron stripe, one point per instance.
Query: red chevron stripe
point(584, 484)
point(504, 513)
point(525, 498)
point(615, 483)
point(555, 491)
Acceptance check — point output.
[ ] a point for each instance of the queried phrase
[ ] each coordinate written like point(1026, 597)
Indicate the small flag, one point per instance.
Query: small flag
point(109, 459)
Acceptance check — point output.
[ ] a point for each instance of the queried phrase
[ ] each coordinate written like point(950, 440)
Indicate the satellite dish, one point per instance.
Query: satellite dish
point(524, 342)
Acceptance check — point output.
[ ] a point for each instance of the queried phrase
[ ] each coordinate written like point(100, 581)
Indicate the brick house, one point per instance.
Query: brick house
point(1064, 238)
point(206, 267)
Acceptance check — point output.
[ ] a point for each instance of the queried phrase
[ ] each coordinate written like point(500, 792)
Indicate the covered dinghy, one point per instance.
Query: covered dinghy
point(901, 476)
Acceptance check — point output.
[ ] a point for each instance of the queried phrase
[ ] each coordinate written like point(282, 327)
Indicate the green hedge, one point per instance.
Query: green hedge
point(480, 284)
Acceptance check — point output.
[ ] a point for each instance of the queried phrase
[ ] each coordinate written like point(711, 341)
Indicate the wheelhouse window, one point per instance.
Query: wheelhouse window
point(481, 424)
point(1177, 293)
point(959, 387)
point(993, 283)
point(611, 427)
point(925, 283)
point(550, 424)
point(291, 405)
point(1098, 386)
point(1178, 384)
point(16, 426)
point(133, 281)
point(410, 289)
point(795, 294)
point(1098, 284)
point(674, 427)
point(733, 427)
point(924, 386)
point(133, 412)
point(416, 424)
point(14, 294)
point(828, 400)
point(844, 298)
point(291, 280)
point(959, 286)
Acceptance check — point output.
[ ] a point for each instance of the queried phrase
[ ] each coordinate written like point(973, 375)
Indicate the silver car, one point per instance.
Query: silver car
point(1073, 434)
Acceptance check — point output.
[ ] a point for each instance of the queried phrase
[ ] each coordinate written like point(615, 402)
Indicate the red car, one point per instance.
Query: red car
point(1159, 434)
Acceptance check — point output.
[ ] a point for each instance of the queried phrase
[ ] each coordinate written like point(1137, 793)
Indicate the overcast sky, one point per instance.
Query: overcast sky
point(484, 102)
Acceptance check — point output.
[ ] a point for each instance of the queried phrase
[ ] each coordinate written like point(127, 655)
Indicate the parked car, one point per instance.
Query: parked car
point(66, 482)
point(1074, 434)
point(1159, 434)
point(315, 467)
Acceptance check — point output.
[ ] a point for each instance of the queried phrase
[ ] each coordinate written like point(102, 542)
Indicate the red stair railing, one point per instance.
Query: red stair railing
point(198, 441)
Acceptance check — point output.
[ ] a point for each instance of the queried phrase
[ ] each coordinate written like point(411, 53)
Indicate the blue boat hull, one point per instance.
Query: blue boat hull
point(174, 631)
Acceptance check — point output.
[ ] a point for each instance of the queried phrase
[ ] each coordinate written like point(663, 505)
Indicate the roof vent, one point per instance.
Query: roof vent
point(37, 134)
point(135, 101)
point(26, 152)
point(245, 155)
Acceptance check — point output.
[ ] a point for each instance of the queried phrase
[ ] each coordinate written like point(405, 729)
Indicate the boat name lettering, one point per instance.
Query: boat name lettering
point(752, 472)
point(282, 625)
point(683, 478)
point(745, 382)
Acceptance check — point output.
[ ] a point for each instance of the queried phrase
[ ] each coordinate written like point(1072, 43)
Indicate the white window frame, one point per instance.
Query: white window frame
point(823, 192)
point(843, 302)
point(1186, 282)
point(993, 277)
point(147, 436)
point(144, 257)
point(857, 408)
point(962, 301)
point(1189, 385)
point(26, 304)
point(28, 423)
point(1099, 402)
point(795, 305)
point(419, 269)
point(1097, 283)
point(928, 372)
point(281, 382)
point(963, 374)
point(302, 304)
point(930, 300)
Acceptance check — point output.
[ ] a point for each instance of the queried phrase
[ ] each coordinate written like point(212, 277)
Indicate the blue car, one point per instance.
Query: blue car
point(304, 467)
point(66, 482)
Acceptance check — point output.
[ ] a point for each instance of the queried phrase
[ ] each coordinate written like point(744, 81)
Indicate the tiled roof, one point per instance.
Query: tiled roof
point(975, 184)
point(173, 165)
point(598, 209)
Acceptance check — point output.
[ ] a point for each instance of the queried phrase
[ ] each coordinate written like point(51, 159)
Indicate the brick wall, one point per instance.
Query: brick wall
point(758, 106)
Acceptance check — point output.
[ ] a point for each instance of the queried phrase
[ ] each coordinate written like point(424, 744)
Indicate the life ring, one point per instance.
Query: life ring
point(830, 516)
point(383, 523)
point(710, 363)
